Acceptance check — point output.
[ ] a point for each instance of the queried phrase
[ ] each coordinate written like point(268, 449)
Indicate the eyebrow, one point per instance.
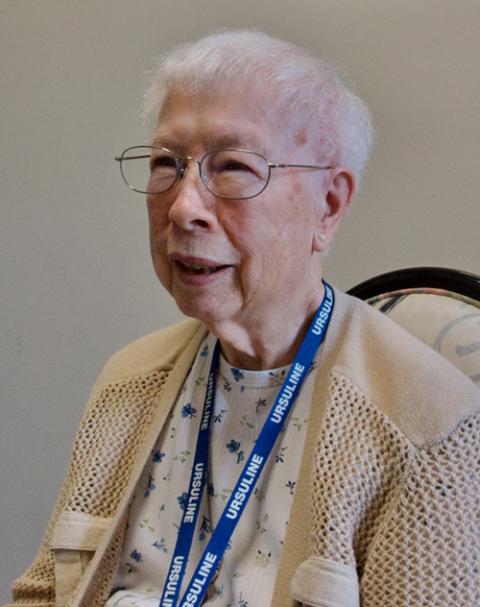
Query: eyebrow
point(164, 141)
point(213, 142)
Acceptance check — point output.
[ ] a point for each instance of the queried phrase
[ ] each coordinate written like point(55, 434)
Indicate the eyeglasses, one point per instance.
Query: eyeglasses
point(231, 174)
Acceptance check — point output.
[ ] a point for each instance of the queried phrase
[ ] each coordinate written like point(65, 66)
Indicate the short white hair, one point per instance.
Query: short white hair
point(299, 83)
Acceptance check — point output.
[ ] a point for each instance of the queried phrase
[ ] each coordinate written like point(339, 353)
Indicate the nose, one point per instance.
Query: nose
point(192, 205)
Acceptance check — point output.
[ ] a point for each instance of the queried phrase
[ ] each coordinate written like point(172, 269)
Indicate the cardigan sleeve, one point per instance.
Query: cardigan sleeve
point(36, 587)
point(404, 517)
point(113, 426)
point(121, 407)
point(427, 550)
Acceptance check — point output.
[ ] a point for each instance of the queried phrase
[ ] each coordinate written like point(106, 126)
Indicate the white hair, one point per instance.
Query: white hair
point(299, 83)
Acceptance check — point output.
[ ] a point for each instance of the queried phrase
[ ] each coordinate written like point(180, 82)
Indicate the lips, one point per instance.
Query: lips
point(197, 269)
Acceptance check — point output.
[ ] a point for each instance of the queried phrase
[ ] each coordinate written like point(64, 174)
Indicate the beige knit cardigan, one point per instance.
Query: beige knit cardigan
point(387, 506)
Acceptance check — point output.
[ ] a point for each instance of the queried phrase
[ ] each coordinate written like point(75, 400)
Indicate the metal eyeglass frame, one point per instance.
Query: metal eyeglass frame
point(181, 168)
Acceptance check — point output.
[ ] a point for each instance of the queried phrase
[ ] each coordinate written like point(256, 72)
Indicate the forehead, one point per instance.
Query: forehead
point(208, 121)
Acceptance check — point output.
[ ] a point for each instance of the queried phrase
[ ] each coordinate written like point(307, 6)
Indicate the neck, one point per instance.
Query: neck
point(269, 342)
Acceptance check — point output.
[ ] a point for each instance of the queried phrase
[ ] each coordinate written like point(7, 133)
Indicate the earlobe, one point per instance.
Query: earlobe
point(340, 189)
point(319, 241)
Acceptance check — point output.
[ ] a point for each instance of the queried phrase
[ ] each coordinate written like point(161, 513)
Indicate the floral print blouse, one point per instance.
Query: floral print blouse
point(247, 573)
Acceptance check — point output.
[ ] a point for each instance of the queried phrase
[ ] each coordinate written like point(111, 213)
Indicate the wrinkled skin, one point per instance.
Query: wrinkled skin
point(263, 281)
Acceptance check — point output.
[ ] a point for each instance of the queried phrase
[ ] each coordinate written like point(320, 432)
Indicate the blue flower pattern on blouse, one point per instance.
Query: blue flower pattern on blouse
point(237, 374)
point(160, 545)
point(157, 456)
point(182, 500)
point(217, 418)
point(291, 485)
point(150, 486)
point(189, 411)
point(166, 459)
point(136, 556)
point(205, 528)
point(234, 447)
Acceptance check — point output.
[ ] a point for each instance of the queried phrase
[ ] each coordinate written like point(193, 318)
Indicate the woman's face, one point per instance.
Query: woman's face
point(235, 259)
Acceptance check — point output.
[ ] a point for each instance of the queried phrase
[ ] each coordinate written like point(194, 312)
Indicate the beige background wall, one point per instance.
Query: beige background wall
point(76, 281)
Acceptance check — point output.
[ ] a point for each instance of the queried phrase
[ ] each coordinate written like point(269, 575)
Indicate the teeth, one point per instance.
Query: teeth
point(203, 269)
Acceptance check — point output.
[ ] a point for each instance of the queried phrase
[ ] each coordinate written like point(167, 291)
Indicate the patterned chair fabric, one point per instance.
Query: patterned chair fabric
point(440, 306)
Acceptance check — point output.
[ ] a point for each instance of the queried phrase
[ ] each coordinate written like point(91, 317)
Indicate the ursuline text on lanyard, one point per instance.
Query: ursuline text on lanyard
point(237, 502)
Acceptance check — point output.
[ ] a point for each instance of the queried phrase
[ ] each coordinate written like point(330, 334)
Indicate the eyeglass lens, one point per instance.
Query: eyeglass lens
point(226, 173)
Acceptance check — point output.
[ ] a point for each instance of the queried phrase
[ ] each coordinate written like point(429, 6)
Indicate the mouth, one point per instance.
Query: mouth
point(197, 268)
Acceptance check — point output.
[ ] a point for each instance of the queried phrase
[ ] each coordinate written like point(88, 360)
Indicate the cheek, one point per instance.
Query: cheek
point(299, 222)
point(156, 213)
point(249, 232)
point(157, 221)
point(299, 213)
point(245, 228)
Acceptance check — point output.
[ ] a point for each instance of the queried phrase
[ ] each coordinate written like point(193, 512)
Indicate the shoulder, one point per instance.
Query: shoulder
point(158, 350)
point(421, 392)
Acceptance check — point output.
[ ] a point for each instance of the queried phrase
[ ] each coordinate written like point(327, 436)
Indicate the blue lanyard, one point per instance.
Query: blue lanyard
point(254, 465)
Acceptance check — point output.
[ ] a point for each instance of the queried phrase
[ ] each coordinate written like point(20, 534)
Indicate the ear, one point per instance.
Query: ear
point(338, 193)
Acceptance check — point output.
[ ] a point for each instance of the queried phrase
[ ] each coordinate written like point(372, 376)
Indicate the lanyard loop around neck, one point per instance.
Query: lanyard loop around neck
point(252, 469)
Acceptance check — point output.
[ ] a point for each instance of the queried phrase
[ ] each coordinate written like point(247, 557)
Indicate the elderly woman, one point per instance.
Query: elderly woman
point(288, 445)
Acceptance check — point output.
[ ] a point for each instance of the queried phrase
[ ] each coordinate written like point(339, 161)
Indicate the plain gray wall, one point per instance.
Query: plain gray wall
point(76, 279)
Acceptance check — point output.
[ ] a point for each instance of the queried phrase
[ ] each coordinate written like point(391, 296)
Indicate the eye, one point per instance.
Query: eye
point(233, 164)
point(162, 161)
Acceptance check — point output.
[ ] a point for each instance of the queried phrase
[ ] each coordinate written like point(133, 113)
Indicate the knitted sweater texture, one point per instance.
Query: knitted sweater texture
point(387, 505)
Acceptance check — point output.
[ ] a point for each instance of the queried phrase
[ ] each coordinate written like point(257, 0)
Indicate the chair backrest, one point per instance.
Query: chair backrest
point(439, 306)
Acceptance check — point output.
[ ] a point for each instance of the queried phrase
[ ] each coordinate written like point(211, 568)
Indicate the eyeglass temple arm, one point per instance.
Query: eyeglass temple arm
point(273, 165)
point(120, 158)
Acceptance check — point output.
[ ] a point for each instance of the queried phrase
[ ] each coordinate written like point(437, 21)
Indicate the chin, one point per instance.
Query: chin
point(202, 308)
